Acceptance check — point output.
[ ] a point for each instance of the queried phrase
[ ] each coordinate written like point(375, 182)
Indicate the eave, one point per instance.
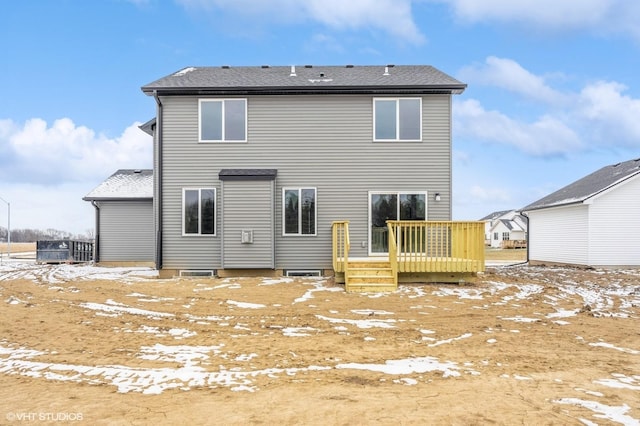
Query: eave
point(315, 90)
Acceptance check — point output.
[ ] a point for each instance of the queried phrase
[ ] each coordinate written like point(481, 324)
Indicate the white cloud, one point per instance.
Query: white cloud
point(510, 75)
point(547, 136)
point(63, 152)
point(616, 117)
point(390, 16)
point(600, 115)
point(45, 170)
point(596, 16)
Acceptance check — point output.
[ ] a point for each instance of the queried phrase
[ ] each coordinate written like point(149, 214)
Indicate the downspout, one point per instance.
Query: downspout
point(158, 178)
point(96, 242)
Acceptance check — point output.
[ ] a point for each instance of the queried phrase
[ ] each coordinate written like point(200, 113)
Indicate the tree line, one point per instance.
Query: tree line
point(33, 235)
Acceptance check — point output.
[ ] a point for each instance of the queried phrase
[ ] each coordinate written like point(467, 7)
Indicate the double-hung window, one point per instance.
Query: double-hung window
point(299, 211)
point(199, 211)
point(222, 120)
point(397, 119)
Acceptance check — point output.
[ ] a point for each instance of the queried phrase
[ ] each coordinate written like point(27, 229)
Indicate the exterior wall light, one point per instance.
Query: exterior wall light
point(437, 197)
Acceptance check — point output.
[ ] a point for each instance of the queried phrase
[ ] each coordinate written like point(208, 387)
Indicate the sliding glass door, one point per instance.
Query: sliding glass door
point(385, 206)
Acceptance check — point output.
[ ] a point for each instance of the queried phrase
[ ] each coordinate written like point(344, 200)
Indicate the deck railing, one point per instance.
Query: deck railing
point(341, 245)
point(430, 246)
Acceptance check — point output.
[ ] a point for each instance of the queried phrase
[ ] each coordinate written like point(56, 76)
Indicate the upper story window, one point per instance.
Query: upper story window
point(199, 211)
point(222, 120)
point(397, 119)
point(299, 211)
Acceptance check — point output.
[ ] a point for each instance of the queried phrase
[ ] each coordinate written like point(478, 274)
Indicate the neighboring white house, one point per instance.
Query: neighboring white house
point(594, 221)
point(502, 226)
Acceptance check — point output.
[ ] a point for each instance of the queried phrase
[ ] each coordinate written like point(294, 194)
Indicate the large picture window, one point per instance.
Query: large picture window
point(223, 120)
point(397, 119)
point(299, 211)
point(199, 211)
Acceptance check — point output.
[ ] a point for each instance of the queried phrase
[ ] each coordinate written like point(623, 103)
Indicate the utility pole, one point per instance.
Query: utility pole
point(8, 227)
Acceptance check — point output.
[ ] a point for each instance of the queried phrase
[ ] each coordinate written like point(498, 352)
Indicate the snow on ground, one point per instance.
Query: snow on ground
point(191, 366)
point(613, 413)
point(64, 273)
point(145, 380)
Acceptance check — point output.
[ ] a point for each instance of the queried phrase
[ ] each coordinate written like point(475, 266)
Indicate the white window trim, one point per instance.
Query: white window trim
point(215, 213)
point(223, 140)
point(398, 193)
point(315, 211)
point(397, 138)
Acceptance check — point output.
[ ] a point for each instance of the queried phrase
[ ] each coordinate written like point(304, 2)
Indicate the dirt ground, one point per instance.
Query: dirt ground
point(523, 345)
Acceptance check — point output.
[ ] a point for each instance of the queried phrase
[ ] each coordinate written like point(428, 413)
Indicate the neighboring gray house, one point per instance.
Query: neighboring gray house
point(124, 230)
point(254, 164)
point(594, 221)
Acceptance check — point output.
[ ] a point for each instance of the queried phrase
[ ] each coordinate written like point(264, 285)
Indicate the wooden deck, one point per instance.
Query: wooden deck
point(419, 251)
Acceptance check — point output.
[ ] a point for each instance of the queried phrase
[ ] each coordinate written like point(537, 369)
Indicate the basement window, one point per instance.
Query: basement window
point(197, 273)
point(303, 273)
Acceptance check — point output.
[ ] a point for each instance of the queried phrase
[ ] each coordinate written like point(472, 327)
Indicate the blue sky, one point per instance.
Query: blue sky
point(553, 86)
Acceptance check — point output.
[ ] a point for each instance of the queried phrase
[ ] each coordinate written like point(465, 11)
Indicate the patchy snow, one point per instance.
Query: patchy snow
point(196, 366)
point(520, 319)
point(65, 273)
point(408, 366)
point(246, 305)
point(453, 339)
point(563, 313)
point(620, 381)
point(123, 309)
point(318, 285)
point(190, 374)
point(297, 331)
point(610, 346)
point(613, 413)
point(371, 323)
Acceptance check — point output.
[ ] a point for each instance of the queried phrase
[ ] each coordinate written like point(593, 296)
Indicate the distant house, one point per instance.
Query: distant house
point(505, 229)
point(595, 221)
point(325, 170)
point(124, 230)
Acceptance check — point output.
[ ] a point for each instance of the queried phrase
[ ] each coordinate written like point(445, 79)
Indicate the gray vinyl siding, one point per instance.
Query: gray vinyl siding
point(321, 141)
point(247, 205)
point(126, 231)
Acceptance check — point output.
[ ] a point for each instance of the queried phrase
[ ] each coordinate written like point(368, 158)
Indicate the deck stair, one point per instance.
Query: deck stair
point(370, 276)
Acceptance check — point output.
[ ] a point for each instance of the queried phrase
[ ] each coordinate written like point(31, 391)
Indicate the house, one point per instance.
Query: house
point(124, 231)
point(595, 221)
point(305, 170)
point(505, 229)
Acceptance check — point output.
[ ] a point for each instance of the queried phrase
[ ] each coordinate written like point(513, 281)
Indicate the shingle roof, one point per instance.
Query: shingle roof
point(287, 79)
point(589, 186)
point(495, 215)
point(125, 184)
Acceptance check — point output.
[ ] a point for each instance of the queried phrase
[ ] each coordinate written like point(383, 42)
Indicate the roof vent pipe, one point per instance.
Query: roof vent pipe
point(386, 71)
point(293, 71)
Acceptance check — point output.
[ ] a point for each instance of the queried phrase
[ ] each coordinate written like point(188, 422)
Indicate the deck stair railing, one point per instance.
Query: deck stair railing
point(341, 246)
